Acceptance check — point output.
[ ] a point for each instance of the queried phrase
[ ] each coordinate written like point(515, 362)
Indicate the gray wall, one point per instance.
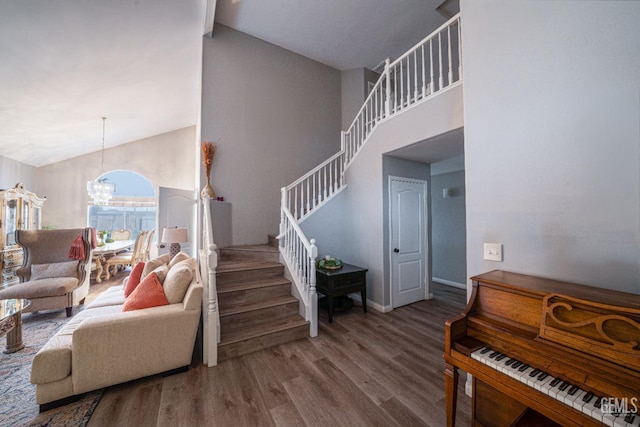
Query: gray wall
point(274, 114)
point(449, 228)
point(354, 84)
point(166, 160)
point(552, 141)
point(13, 172)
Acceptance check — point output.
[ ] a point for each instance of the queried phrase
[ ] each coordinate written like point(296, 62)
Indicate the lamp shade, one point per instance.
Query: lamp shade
point(175, 236)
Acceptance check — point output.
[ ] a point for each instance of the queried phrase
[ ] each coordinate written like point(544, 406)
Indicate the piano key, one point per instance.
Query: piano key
point(592, 410)
point(634, 421)
point(543, 380)
point(577, 402)
point(555, 387)
point(546, 386)
point(478, 354)
point(619, 420)
point(609, 419)
point(564, 391)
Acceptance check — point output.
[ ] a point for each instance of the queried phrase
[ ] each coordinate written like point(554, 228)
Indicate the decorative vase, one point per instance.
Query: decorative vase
point(207, 190)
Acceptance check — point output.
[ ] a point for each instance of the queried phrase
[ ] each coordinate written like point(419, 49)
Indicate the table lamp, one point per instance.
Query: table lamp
point(175, 236)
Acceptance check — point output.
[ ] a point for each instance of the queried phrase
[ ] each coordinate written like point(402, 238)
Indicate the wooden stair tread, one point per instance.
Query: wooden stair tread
point(251, 284)
point(293, 321)
point(252, 248)
point(234, 266)
point(271, 302)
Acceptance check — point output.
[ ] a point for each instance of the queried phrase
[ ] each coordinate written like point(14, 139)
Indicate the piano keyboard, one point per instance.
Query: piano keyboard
point(563, 391)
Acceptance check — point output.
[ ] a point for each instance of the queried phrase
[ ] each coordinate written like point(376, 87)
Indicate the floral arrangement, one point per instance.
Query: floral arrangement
point(208, 152)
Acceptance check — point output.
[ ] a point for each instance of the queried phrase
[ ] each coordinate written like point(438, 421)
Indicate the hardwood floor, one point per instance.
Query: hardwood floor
point(369, 369)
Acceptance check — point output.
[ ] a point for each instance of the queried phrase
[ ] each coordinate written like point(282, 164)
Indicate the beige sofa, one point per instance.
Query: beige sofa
point(103, 346)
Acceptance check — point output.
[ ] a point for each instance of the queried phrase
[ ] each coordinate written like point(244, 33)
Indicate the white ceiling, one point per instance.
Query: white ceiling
point(64, 64)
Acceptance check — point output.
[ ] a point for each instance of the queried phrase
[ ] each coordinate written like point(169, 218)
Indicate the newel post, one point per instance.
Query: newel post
point(283, 205)
point(387, 78)
point(313, 295)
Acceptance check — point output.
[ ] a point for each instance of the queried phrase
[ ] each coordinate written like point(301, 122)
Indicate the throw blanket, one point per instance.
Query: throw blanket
point(77, 247)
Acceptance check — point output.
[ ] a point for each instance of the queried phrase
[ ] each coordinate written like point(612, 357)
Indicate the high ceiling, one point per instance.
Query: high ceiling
point(65, 64)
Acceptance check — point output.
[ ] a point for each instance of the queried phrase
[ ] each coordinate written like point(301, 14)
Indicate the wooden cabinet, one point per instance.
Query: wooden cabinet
point(344, 281)
point(19, 210)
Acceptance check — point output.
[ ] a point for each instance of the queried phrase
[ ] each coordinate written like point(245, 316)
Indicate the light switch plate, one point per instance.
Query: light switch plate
point(493, 252)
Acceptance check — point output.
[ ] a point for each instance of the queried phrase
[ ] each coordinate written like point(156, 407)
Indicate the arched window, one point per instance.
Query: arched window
point(133, 206)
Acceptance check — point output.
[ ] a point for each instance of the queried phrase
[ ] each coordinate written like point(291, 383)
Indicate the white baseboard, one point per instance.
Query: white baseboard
point(372, 304)
point(449, 283)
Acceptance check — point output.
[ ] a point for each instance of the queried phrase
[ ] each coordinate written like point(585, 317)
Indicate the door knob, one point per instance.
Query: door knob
point(396, 250)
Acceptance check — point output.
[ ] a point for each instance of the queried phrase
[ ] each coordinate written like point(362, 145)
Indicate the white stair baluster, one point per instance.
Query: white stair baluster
point(449, 51)
point(440, 77)
point(424, 79)
point(431, 65)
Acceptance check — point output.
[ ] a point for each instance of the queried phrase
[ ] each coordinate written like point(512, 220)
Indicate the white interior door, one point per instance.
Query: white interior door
point(176, 208)
point(408, 240)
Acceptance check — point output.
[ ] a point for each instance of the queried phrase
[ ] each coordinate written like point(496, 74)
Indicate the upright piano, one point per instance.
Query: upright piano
point(543, 352)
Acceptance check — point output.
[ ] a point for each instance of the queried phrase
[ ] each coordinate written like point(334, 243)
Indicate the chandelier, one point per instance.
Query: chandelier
point(101, 190)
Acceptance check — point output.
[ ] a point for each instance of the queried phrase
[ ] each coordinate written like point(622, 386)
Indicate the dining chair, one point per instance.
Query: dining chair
point(147, 248)
point(121, 234)
point(126, 258)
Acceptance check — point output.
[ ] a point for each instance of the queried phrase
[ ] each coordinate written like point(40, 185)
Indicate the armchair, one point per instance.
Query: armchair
point(48, 277)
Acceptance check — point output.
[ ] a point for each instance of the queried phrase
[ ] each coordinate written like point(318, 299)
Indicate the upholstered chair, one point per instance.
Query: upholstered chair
point(48, 276)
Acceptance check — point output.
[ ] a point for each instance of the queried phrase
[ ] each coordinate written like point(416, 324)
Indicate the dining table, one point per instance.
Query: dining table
point(107, 250)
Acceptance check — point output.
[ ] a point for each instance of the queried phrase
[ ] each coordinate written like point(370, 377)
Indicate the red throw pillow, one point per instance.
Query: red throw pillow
point(148, 293)
point(134, 278)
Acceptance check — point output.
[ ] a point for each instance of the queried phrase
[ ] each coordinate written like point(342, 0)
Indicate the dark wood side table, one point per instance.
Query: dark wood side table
point(344, 281)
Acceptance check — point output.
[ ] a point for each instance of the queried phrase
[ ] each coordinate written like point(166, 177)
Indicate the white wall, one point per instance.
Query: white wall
point(13, 172)
point(166, 160)
point(274, 114)
point(552, 138)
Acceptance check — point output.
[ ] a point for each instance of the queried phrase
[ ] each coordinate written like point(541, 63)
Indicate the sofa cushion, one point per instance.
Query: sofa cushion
point(154, 263)
point(147, 294)
point(180, 256)
point(43, 288)
point(177, 281)
point(54, 269)
point(161, 272)
point(134, 278)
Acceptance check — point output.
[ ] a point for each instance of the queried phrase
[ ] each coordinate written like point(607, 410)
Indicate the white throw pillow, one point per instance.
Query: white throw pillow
point(54, 269)
point(180, 256)
point(154, 263)
point(178, 279)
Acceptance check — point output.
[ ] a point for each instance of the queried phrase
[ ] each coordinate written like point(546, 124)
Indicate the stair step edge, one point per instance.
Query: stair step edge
point(268, 303)
point(234, 266)
point(244, 335)
point(252, 284)
point(254, 248)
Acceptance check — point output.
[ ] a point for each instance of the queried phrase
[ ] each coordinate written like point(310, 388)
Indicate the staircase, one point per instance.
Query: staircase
point(256, 307)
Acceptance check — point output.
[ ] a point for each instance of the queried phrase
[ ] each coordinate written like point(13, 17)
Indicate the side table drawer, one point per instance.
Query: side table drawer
point(348, 281)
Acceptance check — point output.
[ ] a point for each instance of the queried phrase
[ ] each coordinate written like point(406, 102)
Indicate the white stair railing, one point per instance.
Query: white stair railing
point(300, 256)
point(431, 66)
point(208, 266)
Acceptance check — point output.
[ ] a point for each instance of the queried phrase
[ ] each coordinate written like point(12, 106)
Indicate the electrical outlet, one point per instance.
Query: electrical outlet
point(493, 252)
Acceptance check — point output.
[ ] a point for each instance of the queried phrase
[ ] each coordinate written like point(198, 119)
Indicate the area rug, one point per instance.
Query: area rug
point(17, 395)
